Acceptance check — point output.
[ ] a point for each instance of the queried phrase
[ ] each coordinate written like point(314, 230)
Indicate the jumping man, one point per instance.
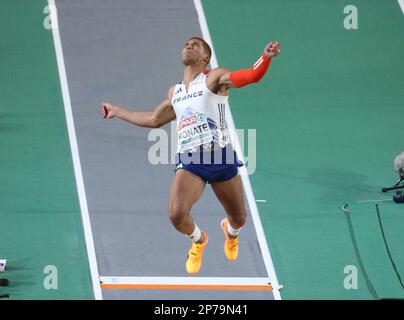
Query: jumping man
point(204, 152)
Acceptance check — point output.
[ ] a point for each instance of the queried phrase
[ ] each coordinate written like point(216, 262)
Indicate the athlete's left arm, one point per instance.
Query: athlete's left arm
point(222, 78)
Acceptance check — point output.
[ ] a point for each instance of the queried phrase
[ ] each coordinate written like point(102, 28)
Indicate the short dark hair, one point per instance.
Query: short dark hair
point(205, 46)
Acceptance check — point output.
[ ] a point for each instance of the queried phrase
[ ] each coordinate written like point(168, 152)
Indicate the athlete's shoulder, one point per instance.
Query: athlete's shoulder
point(219, 71)
point(170, 92)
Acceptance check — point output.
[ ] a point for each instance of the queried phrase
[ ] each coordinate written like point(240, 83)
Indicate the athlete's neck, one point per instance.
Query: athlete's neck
point(191, 72)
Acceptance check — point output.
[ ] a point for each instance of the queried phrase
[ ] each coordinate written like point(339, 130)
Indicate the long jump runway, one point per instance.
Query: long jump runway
point(128, 53)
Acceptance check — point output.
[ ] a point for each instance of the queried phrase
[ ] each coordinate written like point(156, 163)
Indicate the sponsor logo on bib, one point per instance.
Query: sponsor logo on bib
point(193, 132)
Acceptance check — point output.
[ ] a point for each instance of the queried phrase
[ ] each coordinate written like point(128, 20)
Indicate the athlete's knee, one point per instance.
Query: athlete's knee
point(177, 213)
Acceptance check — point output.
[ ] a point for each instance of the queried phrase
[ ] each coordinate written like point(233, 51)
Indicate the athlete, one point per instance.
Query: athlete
point(204, 151)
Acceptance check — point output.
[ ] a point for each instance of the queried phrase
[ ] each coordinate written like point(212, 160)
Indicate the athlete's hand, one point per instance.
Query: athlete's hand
point(272, 49)
point(108, 110)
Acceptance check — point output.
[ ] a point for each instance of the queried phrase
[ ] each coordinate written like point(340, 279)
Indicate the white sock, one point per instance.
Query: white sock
point(232, 231)
point(195, 236)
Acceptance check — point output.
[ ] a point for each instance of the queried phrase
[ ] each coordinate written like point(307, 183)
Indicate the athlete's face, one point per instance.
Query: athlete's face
point(193, 52)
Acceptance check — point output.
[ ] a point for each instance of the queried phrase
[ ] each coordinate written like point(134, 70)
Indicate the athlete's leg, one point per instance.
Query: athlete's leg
point(184, 192)
point(230, 194)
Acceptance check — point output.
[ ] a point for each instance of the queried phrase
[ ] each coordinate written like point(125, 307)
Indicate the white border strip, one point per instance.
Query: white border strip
point(374, 201)
point(401, 3)
point(243, 171)
point(75, 155)
point(185, 281)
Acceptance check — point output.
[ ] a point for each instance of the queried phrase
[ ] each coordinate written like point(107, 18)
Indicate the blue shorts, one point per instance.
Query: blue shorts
point(216, 165)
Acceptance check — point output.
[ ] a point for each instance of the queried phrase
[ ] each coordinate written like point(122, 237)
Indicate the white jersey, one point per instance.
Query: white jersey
point(200, 116)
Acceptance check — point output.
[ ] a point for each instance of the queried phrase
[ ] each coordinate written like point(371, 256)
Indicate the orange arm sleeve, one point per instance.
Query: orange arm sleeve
point(243, 77)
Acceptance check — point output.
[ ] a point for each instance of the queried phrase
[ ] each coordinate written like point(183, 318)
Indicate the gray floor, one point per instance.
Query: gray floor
point(128, 53)
point(186, 295)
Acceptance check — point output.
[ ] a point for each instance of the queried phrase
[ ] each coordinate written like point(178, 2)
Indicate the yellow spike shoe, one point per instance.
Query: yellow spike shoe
point(230, 245)
point(194, 260)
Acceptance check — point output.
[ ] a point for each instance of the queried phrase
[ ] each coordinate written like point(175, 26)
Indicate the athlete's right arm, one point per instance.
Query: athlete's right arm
point(163, 114)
